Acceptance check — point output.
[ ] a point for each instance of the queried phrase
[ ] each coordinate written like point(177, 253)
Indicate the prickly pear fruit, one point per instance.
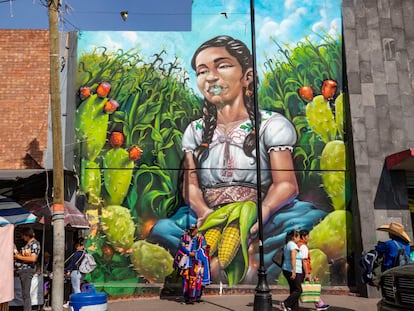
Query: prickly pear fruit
point(306, 93)
point(151, 261)
point(118, 170)
point(333, 166)
point(103, 89)
point(321, 119)
point(118, 226)
point(91, 126)
point(328, 89)
point(91, 178)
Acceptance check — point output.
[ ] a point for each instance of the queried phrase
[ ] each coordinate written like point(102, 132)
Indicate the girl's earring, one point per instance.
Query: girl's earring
point(248, 92)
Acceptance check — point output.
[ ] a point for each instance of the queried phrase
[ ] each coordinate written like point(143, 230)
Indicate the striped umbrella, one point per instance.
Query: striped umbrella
point(13, 213)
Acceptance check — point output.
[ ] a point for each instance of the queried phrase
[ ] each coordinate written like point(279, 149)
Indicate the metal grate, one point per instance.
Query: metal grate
point(407, 298)
point(405, 282)
point(410, 179)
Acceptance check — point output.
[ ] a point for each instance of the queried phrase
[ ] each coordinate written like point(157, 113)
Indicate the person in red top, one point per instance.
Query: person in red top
point(306, 265)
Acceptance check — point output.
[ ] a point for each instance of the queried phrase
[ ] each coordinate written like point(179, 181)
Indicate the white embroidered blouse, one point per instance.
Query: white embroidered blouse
point(227, 163)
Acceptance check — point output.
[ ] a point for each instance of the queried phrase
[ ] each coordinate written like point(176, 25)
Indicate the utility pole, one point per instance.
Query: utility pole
point(58, 184)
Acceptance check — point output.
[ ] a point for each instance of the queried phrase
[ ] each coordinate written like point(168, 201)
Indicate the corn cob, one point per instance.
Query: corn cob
point(212, 237)
point(229, 244)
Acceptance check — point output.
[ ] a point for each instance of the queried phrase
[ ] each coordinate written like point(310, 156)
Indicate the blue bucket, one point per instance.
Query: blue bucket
point(88, 300)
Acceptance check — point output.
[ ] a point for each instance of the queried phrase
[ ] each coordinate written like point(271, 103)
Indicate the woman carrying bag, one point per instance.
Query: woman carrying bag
point(306, 265)
point(72, 268)
point(292, 270)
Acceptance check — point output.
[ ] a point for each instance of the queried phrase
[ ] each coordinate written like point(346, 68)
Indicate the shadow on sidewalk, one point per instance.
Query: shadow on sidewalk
point(276, 307)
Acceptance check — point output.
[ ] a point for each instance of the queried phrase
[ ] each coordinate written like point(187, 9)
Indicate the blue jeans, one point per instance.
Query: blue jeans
point(26, 276)
point(76, 279)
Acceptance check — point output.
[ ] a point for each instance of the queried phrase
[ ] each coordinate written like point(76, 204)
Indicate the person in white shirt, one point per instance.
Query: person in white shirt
point(306, 265)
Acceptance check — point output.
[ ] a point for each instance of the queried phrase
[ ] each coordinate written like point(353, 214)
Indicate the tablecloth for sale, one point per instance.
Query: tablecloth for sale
point(36, 291)
point(6, 263)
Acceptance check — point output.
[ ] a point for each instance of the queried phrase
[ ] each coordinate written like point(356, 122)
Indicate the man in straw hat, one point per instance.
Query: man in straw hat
point(389, 249)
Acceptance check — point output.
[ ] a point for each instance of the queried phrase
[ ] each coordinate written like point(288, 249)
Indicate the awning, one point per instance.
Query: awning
point(43, 211)
point(403, 160)
point(13, 213)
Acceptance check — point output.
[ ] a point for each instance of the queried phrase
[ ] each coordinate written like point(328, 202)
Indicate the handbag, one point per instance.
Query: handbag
point(183, 261)
point(278, 257)
point(180, 259)
point(311, 292)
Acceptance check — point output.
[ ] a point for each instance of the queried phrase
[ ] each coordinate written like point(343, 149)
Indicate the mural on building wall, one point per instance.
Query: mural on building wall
point(166, 121)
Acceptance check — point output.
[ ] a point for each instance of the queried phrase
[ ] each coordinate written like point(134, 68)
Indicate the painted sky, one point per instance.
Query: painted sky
point(287, 21)
point(189, 23)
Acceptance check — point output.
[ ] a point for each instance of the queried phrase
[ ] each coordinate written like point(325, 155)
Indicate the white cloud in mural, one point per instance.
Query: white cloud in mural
point(283, 30)
point(292, 4)
point(130, 36)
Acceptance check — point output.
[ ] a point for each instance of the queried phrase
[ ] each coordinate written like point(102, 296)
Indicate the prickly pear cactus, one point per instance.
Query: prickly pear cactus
point(118, 226)
point(339, 114)
point(151, 261)
point(91, 178)
point(333, 166)
point(91, 126)
point(321, 119)
point(118, 170)
point(332, 235)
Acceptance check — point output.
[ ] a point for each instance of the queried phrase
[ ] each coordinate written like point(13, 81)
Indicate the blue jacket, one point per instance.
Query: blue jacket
point(390, 251)
point(75, 261)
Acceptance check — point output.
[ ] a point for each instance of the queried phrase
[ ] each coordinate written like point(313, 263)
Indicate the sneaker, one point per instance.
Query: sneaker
point(283, 307)
point(321, 308)
point(66, 305)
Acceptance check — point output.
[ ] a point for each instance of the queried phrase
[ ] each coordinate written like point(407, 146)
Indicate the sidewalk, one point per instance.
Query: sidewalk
point(237, 303)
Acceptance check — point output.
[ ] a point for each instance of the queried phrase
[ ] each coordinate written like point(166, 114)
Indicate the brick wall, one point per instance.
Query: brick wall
point(24, 100)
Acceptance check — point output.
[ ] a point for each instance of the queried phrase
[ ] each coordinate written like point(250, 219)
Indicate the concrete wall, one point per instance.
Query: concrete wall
point(379, 48)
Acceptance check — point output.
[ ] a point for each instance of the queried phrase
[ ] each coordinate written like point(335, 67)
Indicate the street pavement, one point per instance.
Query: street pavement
point(237, 303)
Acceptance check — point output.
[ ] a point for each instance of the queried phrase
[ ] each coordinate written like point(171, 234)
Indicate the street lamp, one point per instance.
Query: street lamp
point(124, 15)
point(263, 296)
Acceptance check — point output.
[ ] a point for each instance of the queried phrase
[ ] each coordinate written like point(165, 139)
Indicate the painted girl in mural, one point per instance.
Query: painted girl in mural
point(220, 181)
point(220, 147)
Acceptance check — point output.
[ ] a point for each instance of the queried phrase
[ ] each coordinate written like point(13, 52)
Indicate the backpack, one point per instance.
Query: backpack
point(278, 257)
point(87, 263)
point(402, 258)
point(369, 262)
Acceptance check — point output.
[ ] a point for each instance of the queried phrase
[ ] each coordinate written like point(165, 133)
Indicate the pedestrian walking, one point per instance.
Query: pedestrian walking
point(306, 265)
point(292, 270)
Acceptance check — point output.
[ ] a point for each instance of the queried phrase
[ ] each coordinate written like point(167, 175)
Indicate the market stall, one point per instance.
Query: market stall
point(11, 214)
point(43, 210)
